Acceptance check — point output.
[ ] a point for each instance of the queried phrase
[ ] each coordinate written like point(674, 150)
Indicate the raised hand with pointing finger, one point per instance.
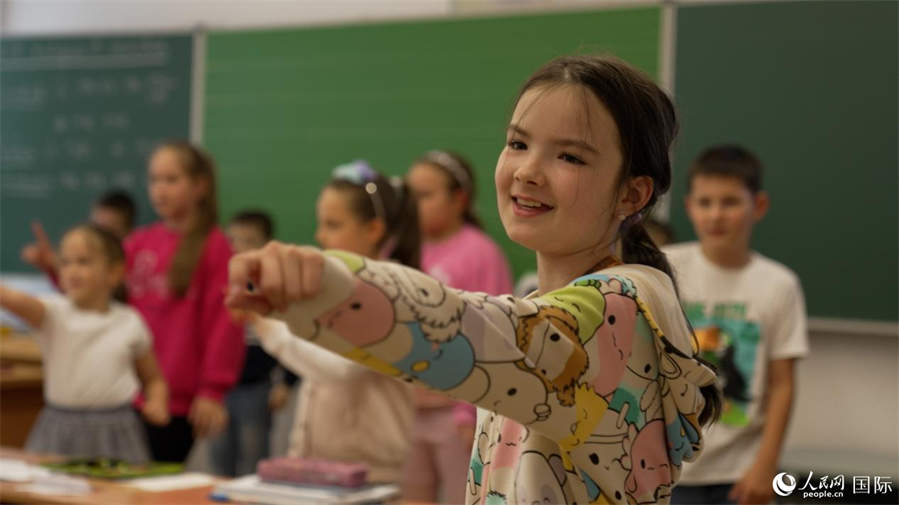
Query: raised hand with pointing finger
point(39, 253)
point(272, 277)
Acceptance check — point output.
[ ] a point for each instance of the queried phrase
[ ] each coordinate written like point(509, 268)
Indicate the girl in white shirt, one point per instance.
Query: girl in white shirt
point(347, 412)
point(97, 355)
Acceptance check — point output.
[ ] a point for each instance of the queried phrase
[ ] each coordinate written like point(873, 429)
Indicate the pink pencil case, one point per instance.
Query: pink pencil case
point(315, 472)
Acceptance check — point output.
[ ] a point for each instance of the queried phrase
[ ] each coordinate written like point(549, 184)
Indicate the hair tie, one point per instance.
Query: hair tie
point(632, 220)
point(357, 171)
point(360, 173)
point(398, 185)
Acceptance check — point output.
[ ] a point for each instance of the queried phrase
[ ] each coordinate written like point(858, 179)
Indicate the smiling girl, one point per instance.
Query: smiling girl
point(590, 391)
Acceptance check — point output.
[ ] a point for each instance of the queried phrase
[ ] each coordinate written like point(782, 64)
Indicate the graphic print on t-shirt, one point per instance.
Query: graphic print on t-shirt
point(730, 342)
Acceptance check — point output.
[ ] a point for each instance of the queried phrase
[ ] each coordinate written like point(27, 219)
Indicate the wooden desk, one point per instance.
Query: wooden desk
point(21, 388)
point(19, 348)
point(104, 492)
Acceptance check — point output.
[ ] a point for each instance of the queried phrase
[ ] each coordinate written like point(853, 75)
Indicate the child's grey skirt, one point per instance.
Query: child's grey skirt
point(90, 433)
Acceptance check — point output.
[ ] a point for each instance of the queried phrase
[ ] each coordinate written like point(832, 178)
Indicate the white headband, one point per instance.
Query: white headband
point(447, 161)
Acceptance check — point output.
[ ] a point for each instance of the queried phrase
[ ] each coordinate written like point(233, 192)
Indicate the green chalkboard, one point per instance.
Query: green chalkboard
point(811, 87)
point(284, 107)
point(79, 116)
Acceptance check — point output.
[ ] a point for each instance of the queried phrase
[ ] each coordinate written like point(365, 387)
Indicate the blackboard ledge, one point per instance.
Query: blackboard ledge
point(861, 327)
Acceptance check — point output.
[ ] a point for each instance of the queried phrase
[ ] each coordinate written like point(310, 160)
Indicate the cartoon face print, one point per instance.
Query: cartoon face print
point(609, 284)
point(553, 350)
point(589, 410)
point(649, 470)
point(476, 465)
point(602, 457)
point(540, 480)
point(509, 444)
point(683, 440)
point(363, 319)
point(687, 396)
point(588, 316)
point(515, 393)
point(442, 365)
point(483, 321)
point(644, 360)
point(625, 404)
point(473, 388)
point(613, 342)
point(424, 300)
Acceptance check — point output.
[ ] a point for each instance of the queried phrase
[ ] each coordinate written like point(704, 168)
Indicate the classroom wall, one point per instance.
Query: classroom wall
point(854, 412)
point(32, 17)
point(79, 16)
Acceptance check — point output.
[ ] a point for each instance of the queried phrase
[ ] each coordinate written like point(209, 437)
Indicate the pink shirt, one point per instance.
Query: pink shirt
point(471, 261)
point(468, 260)
point(199, 348)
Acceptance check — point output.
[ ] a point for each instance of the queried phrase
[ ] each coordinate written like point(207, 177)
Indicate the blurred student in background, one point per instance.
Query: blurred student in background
point(458, 252)
point(176, 271)
point(255, 398)
point(97, 354)
point(113, 210)
point(748, 313)
point(347, 412)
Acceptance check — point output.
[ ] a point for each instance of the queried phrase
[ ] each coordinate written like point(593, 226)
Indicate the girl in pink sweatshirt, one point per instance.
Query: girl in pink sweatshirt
point(456, 251)
point(177, 271)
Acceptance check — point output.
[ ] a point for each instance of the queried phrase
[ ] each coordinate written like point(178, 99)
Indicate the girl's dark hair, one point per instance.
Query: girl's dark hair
point(460, 175)
point(393, 202)
point(111, 247)
point(197, 164)
point(257, 218)
point(728, 160)
point(120, 201)
point(647, 126)
point(109, 243)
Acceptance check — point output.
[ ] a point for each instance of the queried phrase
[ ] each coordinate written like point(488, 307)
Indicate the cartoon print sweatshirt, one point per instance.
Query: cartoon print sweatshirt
point(588, 394)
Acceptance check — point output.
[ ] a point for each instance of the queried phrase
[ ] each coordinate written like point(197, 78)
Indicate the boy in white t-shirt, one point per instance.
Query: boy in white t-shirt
point(749, 316)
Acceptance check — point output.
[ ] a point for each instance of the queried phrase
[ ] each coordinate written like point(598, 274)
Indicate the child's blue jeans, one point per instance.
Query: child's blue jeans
point(246, 439)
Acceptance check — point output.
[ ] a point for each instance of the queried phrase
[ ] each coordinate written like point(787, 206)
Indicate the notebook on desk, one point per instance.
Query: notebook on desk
point(251, 489)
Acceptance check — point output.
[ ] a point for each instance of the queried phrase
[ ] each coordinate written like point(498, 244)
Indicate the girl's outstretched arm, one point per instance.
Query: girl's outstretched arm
point(25, 306)
point(301, 357)
point(532, 360)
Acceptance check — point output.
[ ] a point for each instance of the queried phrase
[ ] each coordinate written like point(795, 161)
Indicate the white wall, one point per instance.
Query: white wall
point(53, 17)
point(33, 17)
point(847, 409)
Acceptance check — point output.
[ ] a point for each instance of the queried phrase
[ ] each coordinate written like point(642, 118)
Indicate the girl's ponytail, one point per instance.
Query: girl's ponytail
point(403, 228)
point(197, 164)
point(637, 247)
